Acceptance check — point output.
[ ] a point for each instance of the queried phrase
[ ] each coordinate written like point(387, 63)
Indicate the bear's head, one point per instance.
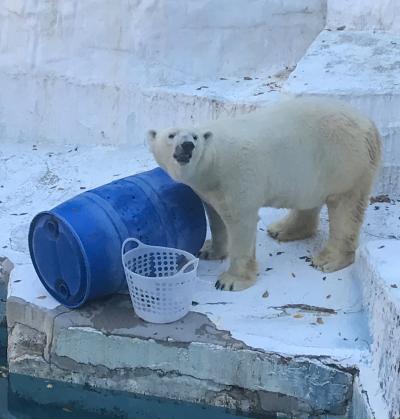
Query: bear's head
point(179, 151)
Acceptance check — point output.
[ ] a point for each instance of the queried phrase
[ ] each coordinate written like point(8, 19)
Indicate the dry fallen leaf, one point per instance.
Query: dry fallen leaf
point(298, 316)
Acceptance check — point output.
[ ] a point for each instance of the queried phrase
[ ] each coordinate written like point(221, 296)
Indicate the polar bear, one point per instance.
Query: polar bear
point(299, 154)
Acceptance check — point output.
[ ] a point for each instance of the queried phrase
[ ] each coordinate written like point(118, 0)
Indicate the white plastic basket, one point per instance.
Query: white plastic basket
point(160, 281)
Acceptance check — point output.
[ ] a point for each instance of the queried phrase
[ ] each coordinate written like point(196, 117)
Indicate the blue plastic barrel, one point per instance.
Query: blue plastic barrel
point(76, 246)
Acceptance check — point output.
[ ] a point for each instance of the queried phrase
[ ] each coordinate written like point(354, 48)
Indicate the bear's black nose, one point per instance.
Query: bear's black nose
point(183, 152)
point(187, 146)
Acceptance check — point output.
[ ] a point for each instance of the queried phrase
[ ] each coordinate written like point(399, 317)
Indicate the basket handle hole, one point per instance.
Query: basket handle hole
point(188, 268)
point(131, 244)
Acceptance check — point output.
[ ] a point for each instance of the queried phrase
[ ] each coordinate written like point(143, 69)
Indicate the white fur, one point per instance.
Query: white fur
point(298, 154)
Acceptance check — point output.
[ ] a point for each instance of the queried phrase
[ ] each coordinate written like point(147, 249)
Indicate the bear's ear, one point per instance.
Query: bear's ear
point(151, 135)
point(207, 135)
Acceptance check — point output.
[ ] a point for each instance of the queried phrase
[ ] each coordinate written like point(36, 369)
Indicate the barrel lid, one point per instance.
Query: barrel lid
point(58, 258)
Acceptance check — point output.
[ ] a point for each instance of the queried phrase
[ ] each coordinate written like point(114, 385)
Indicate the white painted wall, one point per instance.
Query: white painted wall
point(364, 14)
point(79, 71)
point(156, 41)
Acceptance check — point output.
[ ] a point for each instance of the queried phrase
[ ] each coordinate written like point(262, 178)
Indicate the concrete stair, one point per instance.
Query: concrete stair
point(362, 68)
point(101, 73)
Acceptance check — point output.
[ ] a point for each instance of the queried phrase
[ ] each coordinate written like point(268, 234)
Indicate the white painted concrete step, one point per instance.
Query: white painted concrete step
point(378, 268)
point(64, 110)
point(363, 68)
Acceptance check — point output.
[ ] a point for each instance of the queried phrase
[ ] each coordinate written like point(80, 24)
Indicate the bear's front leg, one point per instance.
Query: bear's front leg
point(242, 272)
point(217, 247)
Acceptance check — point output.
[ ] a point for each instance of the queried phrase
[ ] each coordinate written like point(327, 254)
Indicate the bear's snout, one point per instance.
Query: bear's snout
point(183, 152)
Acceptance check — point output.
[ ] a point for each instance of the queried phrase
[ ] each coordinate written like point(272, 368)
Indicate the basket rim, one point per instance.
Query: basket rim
point(165, 278)
point(191, 260)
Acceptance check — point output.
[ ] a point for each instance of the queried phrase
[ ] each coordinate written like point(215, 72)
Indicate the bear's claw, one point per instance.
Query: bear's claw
point(229, 282)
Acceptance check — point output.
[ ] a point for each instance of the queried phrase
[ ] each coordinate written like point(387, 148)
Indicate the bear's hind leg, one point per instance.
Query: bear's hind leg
point(297, 225)
point(216, 248)
point(242, 272)
point(346, 214)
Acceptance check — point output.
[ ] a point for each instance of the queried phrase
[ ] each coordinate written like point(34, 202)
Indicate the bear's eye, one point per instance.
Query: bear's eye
point(171, 136)
point(194, 137)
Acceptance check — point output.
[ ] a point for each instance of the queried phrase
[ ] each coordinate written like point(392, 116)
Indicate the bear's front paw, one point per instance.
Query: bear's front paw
point(285, 232)
point(209, 252)
point(229, 282)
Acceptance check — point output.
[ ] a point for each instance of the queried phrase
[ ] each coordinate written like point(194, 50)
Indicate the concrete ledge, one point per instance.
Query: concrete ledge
point(378, 267)
point(106, 345)
point(62, 109)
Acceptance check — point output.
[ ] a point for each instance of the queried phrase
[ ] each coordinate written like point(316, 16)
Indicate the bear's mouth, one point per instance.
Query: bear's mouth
point(182, 160)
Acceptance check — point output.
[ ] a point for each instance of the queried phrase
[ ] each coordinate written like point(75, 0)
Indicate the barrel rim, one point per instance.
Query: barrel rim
point(85, 260)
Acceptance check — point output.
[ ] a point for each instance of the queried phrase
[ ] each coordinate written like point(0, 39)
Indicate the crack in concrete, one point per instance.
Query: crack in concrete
point(305, 307)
